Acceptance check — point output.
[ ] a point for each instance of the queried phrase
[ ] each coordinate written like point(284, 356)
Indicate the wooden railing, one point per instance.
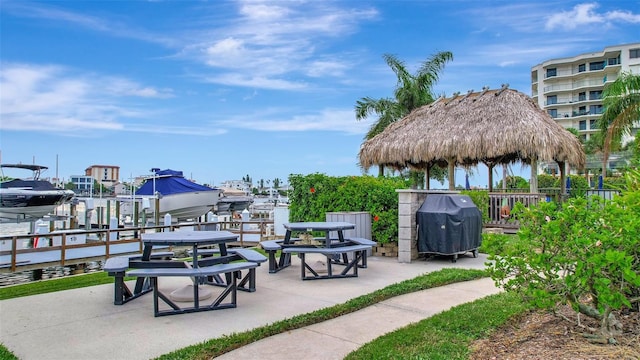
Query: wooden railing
point(509, 197)
point(501, 204)
point(122, 235)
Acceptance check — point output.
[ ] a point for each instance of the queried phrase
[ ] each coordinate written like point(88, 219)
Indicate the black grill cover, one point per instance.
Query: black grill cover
point(448, 224)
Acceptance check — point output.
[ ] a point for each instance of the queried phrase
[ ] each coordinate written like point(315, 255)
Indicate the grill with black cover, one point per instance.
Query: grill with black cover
point(449, 224)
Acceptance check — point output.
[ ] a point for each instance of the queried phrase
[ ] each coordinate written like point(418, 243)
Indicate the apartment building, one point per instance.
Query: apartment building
point(570, 89)
point(106, 175)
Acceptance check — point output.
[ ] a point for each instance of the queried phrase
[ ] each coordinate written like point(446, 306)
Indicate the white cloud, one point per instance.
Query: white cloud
point(326, 68)
point(336, 120)
point(241, 79)
point(586, 14)
point(117, 86)
point(261, 11)
point(55, 99)
point(269, 40)
point(94, 23)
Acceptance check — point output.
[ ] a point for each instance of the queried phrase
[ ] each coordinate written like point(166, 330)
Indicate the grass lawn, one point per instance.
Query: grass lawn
point(447, 335)
point(59, 284)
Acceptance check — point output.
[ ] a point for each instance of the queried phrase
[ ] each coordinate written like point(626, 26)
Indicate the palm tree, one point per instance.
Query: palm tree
point(621, 101)
point(412, 92)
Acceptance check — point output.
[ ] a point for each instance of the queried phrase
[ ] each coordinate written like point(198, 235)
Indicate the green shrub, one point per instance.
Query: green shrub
point(585, 253)
point(496, 244)
point(514, 182)
point(316, 194)
point(614, 183)
point(578, 185)
point(547, 181)
point(481, 199)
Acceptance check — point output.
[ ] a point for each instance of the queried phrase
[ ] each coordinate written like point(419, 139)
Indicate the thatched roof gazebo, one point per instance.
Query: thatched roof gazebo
point(492, 127)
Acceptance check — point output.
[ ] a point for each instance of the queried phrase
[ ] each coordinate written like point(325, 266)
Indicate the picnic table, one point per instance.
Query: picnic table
point(203, 270)
point(336, 248)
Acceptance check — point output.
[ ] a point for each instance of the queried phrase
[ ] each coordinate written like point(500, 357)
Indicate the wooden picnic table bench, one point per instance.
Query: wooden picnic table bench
point(359, 253)
point(272, 247)
point(117, 266)
point(197, 273)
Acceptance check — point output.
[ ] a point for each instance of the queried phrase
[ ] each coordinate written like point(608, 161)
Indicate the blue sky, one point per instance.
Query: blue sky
point(225, 89)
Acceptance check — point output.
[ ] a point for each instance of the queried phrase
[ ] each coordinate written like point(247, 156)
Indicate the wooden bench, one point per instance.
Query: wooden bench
point(233, 269)
point(251, 256)
point(363, 241)
point(117, 266)
point(234, 255)
point(359, 251)
point(272, 247)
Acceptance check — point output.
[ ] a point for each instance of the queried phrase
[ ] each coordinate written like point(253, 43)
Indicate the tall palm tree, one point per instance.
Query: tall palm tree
point(621, 101)
point(412, 91)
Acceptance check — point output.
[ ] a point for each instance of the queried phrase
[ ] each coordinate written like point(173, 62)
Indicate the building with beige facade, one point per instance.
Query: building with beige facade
point(570, 89)
point(105, 175)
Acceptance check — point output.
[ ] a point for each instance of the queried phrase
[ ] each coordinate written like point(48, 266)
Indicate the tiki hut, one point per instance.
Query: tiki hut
point(494, 127)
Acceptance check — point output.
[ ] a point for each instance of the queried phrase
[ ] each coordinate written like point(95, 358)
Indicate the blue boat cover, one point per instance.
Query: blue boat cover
point(169, 182)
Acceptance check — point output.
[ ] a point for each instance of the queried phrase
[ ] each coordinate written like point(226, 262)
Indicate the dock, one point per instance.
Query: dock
point(75, 247)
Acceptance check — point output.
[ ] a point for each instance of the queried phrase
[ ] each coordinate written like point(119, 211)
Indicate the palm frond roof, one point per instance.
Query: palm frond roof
point(492, 126)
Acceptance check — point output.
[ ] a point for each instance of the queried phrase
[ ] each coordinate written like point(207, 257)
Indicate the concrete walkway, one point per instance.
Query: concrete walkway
point(84, 323)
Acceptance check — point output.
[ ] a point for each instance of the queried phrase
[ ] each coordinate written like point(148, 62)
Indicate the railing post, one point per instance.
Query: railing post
point(63, 249)
point(14, 250)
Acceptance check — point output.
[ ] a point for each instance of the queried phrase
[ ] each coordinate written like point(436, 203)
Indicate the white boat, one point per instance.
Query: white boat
point(29, 199)
point(233, 200)
point(181, 198)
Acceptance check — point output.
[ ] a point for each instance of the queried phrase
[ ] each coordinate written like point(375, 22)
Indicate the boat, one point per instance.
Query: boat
point(233, 200)
point(29, 199)
point(182, 198)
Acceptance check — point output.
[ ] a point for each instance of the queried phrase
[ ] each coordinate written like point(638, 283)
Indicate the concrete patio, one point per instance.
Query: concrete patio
point(85, 324)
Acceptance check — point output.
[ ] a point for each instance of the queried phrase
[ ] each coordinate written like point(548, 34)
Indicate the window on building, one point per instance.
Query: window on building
point(552, 72)
point(553, 113)
point(582, 110)
point(582, 125)
point(553, 99)
point(595, 109)
point(598, 65)
point(634, 53)
point(595, 95)
point(593, 124)
point(582, 67)
point(582, 96)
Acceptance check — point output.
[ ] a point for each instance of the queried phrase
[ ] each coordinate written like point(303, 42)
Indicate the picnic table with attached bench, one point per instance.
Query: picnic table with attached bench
point(348, 252)
point(208, 270)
